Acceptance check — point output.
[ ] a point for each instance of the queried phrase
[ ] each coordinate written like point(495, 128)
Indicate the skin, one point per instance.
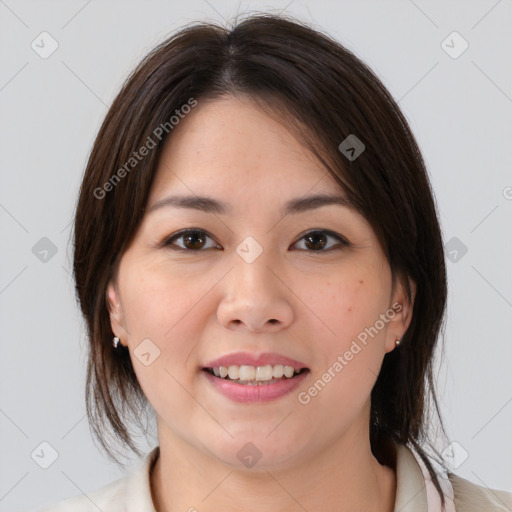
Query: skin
point(208, 302)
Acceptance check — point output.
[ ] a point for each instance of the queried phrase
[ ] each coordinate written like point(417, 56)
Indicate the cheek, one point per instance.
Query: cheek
point(346, 306)
point(162, 308)
point(352, 347)
point(171, 308)
point(148, 304)
point(159, 301)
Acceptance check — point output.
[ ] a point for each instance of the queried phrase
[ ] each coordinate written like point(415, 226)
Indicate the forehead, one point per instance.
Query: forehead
point(229, 145)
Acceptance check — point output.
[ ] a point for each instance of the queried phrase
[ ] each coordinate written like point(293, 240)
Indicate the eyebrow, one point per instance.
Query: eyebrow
point(210, 205)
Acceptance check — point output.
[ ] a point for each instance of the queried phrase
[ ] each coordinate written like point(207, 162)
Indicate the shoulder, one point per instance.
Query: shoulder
point(131, 493)
point(109, 498)
point(460, 494)
point(469, 497)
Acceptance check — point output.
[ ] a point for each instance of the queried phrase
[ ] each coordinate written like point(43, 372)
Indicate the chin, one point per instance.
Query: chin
point(258, 451)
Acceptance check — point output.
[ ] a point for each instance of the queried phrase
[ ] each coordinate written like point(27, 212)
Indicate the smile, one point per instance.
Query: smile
point(254, 390)
point(255, 375)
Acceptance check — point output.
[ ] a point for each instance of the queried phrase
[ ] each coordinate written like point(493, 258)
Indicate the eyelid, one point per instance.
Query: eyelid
point(328, 232)
point(167, 242)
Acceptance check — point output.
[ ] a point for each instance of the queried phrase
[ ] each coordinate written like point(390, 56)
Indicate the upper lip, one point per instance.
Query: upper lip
point(249, 359)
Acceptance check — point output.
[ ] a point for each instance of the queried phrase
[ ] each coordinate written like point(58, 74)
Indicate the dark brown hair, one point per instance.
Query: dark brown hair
point(324, 93)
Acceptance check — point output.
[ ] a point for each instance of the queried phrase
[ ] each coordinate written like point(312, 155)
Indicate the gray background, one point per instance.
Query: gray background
point(459, 109)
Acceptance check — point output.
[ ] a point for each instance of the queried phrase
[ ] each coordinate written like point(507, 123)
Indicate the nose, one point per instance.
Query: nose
point(256, 297)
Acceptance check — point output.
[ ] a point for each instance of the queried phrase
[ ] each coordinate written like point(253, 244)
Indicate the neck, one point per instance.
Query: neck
point(343, 478)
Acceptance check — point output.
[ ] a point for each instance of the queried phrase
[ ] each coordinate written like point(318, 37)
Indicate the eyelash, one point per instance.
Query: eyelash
point(168, 242)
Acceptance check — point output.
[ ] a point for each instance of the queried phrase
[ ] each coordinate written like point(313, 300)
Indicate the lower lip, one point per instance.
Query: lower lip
point(259, 393)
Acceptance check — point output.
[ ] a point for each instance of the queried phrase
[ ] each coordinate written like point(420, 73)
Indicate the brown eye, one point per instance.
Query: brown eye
point(192, 240)
point(316, 241)
point(195, 240)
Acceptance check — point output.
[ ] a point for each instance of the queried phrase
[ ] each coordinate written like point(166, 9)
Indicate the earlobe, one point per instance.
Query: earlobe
point(111, 296)
point(115, 310)
point(403, 308)
point(408, 306)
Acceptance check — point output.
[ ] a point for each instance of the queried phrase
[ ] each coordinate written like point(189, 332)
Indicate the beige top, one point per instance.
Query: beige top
point(414, 493)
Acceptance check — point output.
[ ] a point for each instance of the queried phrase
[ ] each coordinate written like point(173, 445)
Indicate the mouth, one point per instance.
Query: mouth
point(255, 375)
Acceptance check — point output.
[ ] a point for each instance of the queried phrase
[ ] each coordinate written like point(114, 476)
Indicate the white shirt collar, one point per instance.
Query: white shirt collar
point(138, 485)
point(415, 491)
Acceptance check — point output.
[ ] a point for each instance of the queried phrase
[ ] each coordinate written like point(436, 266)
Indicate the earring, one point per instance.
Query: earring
point(397, 342)
point(116, 341)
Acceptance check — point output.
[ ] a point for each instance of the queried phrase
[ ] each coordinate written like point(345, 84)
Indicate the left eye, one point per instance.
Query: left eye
point(318, 240)
point(194, 240)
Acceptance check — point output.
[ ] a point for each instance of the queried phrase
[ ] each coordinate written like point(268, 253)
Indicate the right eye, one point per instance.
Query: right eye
point(193, 240)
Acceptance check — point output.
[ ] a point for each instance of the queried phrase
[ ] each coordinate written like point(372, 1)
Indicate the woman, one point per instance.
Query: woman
point(258, 258)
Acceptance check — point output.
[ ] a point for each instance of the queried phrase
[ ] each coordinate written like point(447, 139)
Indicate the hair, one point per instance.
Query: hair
point(324, 93)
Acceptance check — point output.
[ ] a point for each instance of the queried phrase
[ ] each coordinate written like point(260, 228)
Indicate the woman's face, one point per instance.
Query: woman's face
point(257, 280)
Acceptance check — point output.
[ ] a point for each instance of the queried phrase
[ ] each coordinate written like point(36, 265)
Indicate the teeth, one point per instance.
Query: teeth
point(233, 372)
point(288, 371)
point(247, 373)
point(265, 372)
point(278, 371)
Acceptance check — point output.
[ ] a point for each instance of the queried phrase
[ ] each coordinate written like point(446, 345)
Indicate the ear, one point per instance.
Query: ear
point(402, 307)
point(116, 313)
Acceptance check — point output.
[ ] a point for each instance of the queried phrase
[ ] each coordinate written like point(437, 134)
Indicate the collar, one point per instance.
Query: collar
point(415, 491)
point(138, 485)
